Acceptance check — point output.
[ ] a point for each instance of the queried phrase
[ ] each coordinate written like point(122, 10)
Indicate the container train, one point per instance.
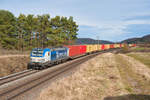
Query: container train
point(43, 58)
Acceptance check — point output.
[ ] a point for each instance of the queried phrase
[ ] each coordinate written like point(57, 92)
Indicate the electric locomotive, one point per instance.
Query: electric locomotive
point(43, 58)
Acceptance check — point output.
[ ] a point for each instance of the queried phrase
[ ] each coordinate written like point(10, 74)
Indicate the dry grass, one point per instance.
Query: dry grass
point(10, 65)
point(96, 79)
point(12, 52)
point(142, 57)
point(135, 75)
point(105, 77)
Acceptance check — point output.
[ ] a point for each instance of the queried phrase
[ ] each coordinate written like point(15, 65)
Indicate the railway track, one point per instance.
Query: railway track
point(16, 76)
point(18, 87)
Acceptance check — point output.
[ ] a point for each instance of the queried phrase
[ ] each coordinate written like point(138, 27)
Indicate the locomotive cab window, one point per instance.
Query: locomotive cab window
point(37, 52)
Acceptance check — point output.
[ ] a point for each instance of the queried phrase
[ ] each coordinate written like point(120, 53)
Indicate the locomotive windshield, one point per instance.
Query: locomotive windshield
point(37, 52)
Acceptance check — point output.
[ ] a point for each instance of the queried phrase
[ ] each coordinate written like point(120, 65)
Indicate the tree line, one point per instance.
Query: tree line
point(29, 31)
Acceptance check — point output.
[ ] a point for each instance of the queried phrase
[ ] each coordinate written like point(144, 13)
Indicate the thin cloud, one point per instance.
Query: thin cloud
point(107, 18)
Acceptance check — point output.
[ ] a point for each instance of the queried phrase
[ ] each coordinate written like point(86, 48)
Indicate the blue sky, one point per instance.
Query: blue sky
point(113, 20)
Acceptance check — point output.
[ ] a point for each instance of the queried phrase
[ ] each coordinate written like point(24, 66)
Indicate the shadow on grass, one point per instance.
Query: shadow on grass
point(129, 97)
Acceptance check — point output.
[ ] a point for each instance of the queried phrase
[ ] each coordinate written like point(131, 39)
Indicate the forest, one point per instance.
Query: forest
point(30, 31)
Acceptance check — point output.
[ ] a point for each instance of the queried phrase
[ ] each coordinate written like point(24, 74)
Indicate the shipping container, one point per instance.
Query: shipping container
point(116, 45)
point(98, 47)
point(130, 45)
point(123, 45)
point(82, 49)
point(120, 45)
point(102, 47)
point(107, 46)
point(76, 50)
point(134, 45)
point(90, 48)
point(111, 46)
point(95, 48)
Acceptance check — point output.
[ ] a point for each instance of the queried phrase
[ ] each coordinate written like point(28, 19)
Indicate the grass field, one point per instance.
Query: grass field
point(140, 49)
point(12, 52)
point(142, 57)
point(135, 74)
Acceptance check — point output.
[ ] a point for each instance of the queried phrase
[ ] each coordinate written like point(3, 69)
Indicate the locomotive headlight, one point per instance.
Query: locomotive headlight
point(39, 60)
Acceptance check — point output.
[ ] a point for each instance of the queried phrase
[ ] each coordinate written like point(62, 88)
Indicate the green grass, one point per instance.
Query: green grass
point(129, 89)
point(142, 57)
point(140, 49)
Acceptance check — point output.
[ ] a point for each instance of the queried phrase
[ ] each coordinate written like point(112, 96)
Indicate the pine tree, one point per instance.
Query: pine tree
point(7, 29)
point(21, 31)
point(27, 32)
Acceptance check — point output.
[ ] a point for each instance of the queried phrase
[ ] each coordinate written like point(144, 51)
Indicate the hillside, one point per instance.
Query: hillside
point(144, 39)
point(96, 79)
point(10, 64)
point(91, 41)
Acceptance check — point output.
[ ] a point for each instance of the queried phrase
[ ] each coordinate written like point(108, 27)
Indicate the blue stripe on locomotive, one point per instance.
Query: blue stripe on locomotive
point(59, 53)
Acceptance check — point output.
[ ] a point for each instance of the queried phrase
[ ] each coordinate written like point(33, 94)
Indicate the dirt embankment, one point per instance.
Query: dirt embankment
point(105, 77)
point(10, 64)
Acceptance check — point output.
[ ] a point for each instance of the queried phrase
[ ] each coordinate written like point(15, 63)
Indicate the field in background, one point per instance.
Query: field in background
point(13, 52)
point(142, 57)
point(140, 49)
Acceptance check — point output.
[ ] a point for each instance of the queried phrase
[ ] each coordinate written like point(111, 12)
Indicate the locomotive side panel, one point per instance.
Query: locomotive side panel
point(59, 54)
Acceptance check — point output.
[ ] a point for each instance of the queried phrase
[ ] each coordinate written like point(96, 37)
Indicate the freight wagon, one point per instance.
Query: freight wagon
point(111, 46)
point(107, 46)
point(102, 47)
point(76, 50)
point(122, 45)
point(43, 58)
point(134, 45)
point(90, 48)
point(116, 45)
point(94, 48)
point(98, 48)
point(130, 45)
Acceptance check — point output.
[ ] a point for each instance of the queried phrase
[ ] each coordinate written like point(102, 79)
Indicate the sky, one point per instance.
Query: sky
point(113, 20)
